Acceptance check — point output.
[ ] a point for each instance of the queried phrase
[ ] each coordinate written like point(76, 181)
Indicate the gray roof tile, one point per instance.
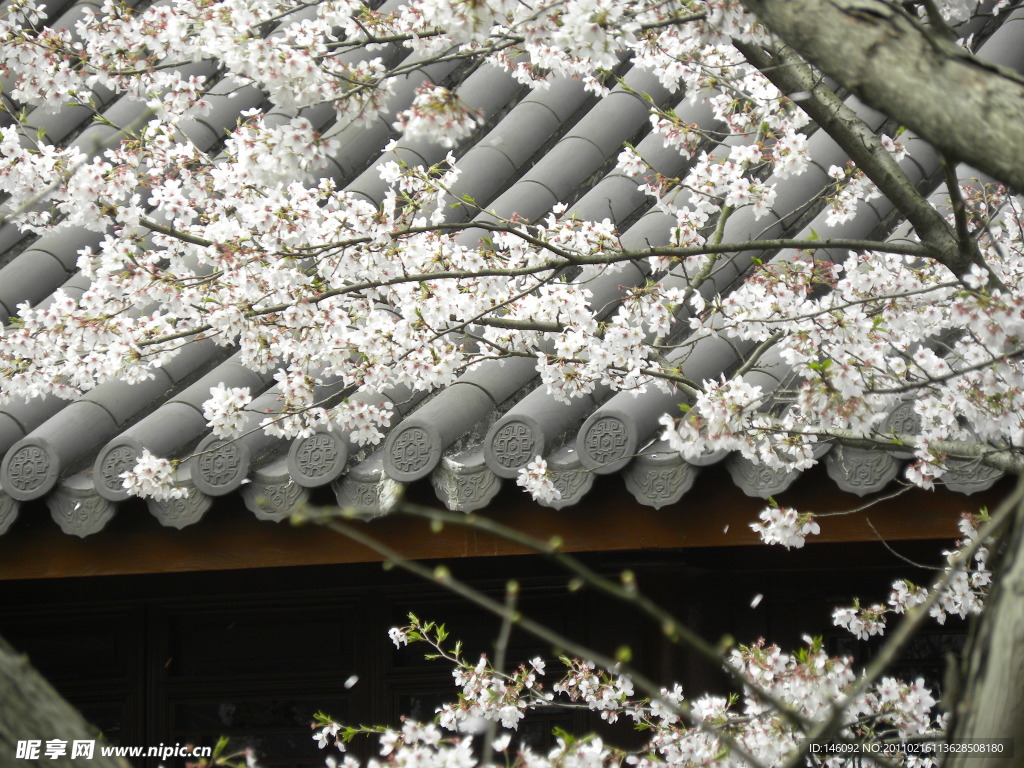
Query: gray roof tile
point(533, 150)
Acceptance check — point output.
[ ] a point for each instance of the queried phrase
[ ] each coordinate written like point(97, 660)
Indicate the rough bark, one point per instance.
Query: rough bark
point(31, 709)
point(968, 109)
point(991, 704)
point(791, 74)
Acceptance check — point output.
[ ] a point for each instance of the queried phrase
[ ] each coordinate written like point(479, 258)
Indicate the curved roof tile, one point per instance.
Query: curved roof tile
point(534, 149)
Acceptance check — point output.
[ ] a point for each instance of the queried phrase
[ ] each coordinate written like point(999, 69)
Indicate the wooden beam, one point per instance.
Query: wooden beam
point(715, 513)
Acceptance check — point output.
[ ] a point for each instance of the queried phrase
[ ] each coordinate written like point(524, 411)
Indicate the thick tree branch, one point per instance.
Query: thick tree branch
point(790, 74)
point(965, 107)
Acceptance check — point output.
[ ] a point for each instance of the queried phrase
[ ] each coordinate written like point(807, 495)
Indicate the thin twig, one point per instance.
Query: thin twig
point(443, 577)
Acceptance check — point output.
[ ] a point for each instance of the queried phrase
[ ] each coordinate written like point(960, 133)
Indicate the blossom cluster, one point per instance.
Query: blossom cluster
point(152, 476)
point(964, 594)
point(784, 695)
point(254, 234)
point(538, 481)
point(785, 526)
point(215, 197)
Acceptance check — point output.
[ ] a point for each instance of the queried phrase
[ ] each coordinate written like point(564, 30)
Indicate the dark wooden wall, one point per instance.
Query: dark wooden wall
point(186, 657)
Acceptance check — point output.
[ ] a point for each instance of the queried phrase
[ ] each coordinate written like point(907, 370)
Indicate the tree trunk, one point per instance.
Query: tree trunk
point(967, 109)
point(991, 704)
point(30, 709)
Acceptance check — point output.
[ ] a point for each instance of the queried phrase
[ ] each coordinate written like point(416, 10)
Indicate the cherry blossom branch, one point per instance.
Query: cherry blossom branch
point(957, 201)
point(904, 488)
point(870, 300)
point(442, 577)
point(371, 39)
point(1009, 460)
point(567, 260)
point(911, 624)
point(500, 650)
point(755, 355)
point(626, 592)
point(931, 379)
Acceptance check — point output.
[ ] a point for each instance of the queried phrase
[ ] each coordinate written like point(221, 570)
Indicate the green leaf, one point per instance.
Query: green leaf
point(565, 736)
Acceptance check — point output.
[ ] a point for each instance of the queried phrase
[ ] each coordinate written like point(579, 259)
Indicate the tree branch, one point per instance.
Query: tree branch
point(791, 75)
point(967, 108)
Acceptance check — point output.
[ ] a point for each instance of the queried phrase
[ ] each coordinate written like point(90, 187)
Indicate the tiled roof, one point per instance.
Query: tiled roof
point(534, 149)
